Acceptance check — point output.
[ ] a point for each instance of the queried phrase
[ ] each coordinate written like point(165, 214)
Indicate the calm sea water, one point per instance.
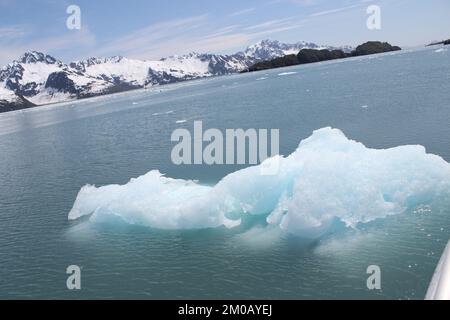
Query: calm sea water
point(48, 153)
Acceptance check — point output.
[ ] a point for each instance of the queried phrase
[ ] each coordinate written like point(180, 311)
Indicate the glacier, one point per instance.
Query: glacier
point(328, 178)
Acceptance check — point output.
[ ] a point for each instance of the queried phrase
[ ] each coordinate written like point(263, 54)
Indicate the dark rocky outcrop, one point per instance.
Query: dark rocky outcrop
point(289, 60)
point(373, 47)
point(444, 42)
point(19, 103)
point(61, 82)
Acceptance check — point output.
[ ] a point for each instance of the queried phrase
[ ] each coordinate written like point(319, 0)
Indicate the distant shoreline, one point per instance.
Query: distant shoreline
point(307, 56)
point(444, 42)
point(159, 87)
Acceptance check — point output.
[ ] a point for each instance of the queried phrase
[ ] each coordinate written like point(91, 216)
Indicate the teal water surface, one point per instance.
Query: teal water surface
point(48, 153)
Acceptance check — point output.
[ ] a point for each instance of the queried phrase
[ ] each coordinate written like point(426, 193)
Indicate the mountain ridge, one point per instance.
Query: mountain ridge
point(37, 78)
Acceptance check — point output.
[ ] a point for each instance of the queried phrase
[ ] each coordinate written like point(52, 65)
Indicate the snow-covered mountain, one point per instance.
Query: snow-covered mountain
point(37, 78)
point(41, 79)
point(268, 49)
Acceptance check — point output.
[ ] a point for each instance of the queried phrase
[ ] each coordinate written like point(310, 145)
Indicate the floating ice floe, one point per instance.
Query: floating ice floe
point(287, 73)
point(328, 178)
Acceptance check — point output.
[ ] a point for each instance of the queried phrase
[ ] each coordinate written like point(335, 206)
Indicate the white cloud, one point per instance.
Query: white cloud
point(271, 23)
point(12, 32)
point(326, 12)
point(242, 12)
point(152, 39)
point(14, 42)
point(192, 34)
point(303, 3)
point(70, 40)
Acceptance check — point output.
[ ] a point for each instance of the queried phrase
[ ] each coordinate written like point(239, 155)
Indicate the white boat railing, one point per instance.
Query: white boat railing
point(439, 288)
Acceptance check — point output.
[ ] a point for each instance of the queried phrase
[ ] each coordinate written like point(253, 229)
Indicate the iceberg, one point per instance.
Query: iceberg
point(328, 178)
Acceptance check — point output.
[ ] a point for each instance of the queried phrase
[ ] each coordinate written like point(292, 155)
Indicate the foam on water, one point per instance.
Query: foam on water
point(329, 177)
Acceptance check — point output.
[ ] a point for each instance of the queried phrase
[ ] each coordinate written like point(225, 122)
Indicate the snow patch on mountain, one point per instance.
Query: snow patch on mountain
point(7, 95)
point(9, 100)
point(192, 64)
point(115, 70)
point(48, 96)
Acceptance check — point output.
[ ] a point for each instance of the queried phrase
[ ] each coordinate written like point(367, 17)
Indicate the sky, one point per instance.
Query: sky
point(150, 29)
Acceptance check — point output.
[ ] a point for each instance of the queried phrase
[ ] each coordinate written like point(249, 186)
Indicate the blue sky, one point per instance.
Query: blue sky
point(153, 29)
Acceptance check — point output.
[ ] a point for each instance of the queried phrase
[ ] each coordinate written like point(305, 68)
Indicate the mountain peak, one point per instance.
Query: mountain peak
point(268, 49)
point(36, 56)
point(265, 43)
point(192, 54)
point(269, 42)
